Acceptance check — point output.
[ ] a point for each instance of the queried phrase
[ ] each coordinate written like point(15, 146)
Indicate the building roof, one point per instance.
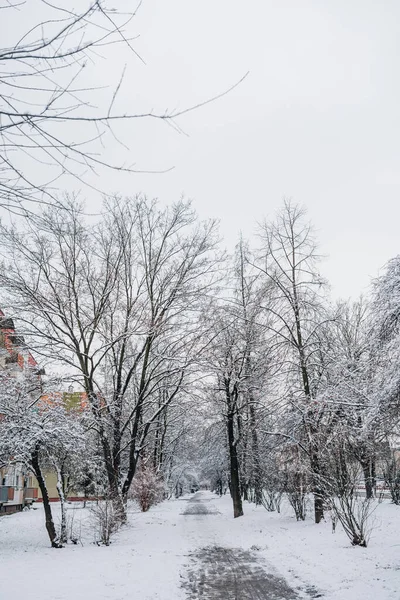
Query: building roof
point(17, 354)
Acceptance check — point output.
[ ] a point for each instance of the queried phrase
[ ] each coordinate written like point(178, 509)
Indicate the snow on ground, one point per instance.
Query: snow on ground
point(143, 561)
point(150, 557)
point(309, 555)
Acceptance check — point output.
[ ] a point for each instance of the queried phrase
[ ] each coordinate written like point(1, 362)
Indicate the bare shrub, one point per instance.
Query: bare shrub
point(349, 508)
point(147, 488)
point(353, 513)
point(297, 501)
point(107, 521)
point(74, 530)
point(273, 483)
point(296, 488)
point(272, 497)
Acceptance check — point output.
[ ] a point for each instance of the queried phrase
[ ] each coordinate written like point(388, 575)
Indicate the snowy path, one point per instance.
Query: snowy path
point(221, 573)
point(192, 549)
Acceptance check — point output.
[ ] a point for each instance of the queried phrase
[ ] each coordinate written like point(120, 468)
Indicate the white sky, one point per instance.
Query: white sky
point(317, 119)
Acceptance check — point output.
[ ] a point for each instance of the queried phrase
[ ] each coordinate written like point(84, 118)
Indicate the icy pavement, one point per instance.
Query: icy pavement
point(221, 573)
point(230, 573)
point(200, 504)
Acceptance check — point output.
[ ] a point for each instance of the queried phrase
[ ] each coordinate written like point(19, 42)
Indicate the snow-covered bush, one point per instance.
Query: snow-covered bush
point(74, 530)
point(340, 491)
point(297, 500)
point(147, 488)
point(297, 487)
point(273, 485)
point(271, 499)
point(106, 520)
point(354, 513)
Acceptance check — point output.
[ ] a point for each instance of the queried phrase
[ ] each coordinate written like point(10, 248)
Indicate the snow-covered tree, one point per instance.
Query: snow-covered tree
point(118, 303)
point(37, 430)
point(288, 260)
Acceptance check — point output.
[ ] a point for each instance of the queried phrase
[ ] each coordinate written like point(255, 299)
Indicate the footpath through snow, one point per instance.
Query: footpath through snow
point(192, 548)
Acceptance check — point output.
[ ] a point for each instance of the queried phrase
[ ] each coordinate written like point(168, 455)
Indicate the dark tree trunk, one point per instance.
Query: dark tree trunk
point(317, 489)
point(234, 468)
point(133, 460)
point(257, 473)
point(156, 450)
point(242, 460)
point(313, 444)
point(133, 454)
point(113, 480)
point(51, 530)
point(368, 466)
point(245, 491)
point(112, 468)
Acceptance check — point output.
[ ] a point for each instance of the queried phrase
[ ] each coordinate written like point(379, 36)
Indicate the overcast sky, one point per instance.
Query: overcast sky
point(317, 119)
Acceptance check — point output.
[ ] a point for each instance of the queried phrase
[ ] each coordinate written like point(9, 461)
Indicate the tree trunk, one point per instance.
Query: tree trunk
point(51, 530)
point(234, 468)
point(118, 502)
point(112, 468)
point(133, 460)
point(257, 473)
point(114, 492)
point(61, 495)
point(133, 454)
point(313, 444)
point(368, 466)
point(317, 490)
point(242, 459)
